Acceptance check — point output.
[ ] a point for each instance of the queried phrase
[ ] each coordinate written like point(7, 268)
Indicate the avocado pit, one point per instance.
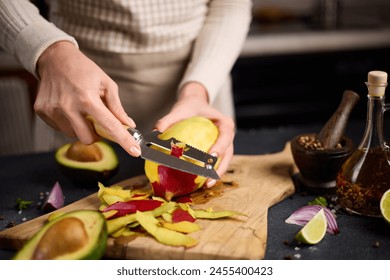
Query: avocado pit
point(75, 235)
point(87, 163)
point(84, 153)
point(65, 237)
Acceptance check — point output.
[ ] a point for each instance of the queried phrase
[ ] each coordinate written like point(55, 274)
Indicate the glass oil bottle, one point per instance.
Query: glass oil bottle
point(365, 175)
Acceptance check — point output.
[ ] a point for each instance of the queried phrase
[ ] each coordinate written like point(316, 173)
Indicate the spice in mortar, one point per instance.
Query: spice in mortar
point(311, 142)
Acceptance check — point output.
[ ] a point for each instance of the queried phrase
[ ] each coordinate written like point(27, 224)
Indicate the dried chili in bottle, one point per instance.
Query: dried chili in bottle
point(365, 175)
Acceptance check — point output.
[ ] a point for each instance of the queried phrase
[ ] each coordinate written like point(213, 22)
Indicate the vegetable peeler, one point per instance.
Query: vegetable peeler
point(203, 165)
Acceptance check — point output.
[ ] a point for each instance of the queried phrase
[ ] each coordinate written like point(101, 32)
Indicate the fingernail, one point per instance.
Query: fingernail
point(211, 183)
point(134, 151)
point(130, 122)
point(214, 154)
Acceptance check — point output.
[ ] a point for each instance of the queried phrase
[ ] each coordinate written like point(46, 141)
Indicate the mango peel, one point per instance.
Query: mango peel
point(162, 234)
point(170, 223)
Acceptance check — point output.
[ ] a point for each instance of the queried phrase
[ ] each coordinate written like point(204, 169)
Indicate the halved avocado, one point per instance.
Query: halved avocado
point(76, 235)
point(87, 163)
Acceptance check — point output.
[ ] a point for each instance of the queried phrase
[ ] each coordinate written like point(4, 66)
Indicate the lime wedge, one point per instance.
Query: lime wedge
point(385, 205)
point(314, 231)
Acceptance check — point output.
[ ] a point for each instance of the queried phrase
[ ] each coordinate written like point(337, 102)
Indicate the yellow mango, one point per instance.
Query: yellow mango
point(198, 132)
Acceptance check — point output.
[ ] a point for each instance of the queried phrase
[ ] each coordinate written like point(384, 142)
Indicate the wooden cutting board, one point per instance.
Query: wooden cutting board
point(252, 184)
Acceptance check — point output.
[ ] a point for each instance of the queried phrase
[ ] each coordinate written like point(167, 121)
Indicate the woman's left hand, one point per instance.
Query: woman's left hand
point(193, 101)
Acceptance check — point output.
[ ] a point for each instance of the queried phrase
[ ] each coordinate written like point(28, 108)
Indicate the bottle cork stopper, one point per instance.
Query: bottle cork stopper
point(376, 83)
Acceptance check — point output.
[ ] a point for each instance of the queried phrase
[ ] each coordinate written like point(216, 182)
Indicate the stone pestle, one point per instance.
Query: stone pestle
point(333, 130)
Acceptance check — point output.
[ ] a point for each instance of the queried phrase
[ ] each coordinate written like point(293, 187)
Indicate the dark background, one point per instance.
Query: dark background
point(302, 88)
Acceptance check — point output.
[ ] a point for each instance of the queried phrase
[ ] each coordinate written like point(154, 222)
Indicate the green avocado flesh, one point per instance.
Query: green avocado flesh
point(76, 235)
point(96, 170)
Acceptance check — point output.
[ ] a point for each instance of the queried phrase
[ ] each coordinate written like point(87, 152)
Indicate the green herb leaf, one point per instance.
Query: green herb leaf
point(22, 204)
point(320, 200)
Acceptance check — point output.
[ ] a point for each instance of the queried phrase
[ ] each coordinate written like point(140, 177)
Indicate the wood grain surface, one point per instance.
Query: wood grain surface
point(252, 184)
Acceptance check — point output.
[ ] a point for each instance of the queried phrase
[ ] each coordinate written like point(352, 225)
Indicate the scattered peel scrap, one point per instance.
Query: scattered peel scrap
point(109, 214)
point(162, 234)
point(304, 214)
point(210, 214)
point(184, 226)
point(180, 215)
point(132, 206)
point(125, 231)
point(115, 194)
point(169, 222)
point(117, 223)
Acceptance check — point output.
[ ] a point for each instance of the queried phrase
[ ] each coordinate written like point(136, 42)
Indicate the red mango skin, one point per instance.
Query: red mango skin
point(173, 182)
point(133, 206)
point(180, 215)
point(184, 199)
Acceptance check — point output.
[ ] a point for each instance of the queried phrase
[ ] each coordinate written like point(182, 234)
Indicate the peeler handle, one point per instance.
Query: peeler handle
point(136, 134)
point(101, 131)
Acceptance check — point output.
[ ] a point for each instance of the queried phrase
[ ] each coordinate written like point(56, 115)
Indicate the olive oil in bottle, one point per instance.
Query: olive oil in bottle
point(365, 175)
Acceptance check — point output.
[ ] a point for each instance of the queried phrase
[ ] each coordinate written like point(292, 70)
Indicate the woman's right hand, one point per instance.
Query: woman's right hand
point(193, 101)
point(73, 87)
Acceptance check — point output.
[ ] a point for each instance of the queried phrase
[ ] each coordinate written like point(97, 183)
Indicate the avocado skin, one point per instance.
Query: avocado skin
point(96, 229)
point(89, 172)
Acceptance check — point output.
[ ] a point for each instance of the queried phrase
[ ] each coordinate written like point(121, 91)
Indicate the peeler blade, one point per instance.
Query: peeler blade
point(206, 162)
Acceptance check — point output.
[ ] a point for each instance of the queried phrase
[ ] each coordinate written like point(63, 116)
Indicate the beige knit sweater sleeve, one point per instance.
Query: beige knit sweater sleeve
point(219, 44)
point(25, 33)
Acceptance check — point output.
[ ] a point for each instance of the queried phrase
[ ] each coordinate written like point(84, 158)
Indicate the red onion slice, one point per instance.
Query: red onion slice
point(304, 214)
point(55, 199)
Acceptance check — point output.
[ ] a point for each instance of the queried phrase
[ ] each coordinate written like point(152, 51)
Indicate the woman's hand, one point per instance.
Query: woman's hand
point(193, 101)
point(72, 87)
